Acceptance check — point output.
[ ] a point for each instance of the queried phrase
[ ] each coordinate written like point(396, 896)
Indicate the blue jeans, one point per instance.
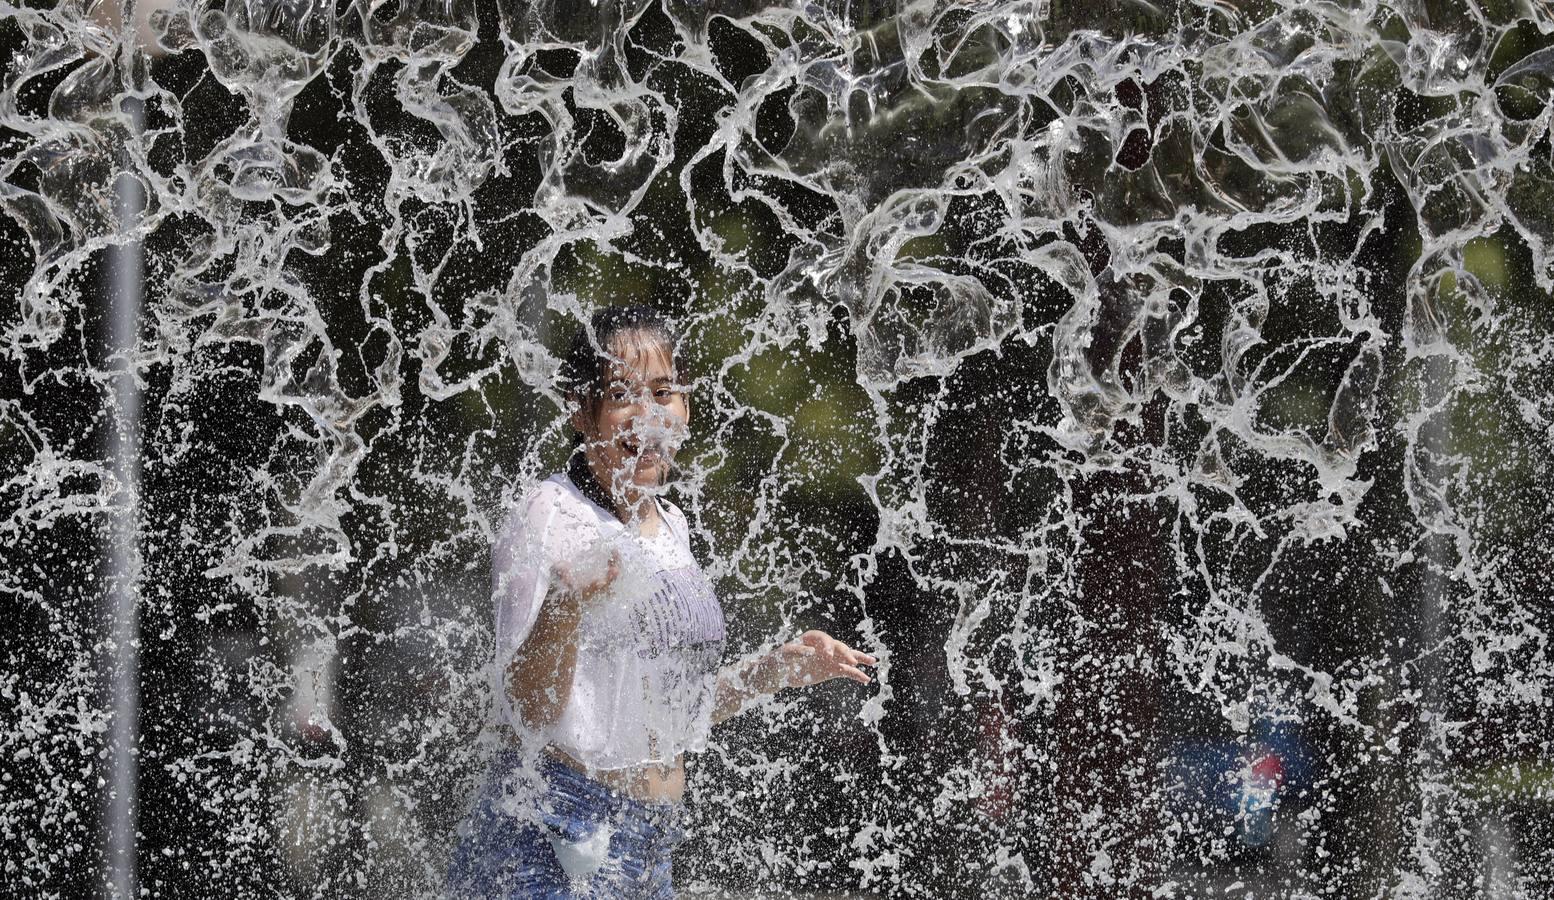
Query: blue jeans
point(562, 836)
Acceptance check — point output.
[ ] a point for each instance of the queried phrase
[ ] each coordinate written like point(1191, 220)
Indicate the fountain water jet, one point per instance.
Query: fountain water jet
point(1066, 356)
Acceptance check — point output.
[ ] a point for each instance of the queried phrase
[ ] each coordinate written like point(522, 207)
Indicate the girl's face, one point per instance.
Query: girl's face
point(633, 428)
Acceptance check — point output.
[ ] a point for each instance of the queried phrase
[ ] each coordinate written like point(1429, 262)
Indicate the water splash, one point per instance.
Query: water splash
point(1136, 379)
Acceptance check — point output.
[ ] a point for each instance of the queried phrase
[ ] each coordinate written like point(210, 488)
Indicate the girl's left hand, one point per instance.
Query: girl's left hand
point(816, 656)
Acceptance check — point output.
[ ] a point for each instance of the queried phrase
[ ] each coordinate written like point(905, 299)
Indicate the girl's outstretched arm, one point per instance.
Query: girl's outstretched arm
point(812, 658)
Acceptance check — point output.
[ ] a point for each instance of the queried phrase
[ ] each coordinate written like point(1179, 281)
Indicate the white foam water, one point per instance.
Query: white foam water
point(1157, 387)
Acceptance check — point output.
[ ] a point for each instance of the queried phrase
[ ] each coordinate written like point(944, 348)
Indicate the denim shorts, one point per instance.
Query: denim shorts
point(549, 831)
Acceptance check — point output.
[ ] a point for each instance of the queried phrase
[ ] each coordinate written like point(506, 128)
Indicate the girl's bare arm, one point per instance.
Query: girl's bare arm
point(811, 659)
point(539, 676)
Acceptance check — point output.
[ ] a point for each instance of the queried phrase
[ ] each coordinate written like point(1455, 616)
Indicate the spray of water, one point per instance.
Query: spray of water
point(1160, 385)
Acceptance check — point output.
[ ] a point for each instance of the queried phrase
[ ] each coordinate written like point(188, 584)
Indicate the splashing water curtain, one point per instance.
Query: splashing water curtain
point(1161, 388)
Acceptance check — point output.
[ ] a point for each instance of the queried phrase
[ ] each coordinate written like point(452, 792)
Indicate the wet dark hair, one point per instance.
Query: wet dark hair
point(586, 368)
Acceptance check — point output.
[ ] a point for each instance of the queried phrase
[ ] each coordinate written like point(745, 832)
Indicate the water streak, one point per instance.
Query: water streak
point(1160, 384)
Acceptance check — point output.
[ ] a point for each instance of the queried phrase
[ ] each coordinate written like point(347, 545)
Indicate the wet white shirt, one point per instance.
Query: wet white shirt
point(648, 649)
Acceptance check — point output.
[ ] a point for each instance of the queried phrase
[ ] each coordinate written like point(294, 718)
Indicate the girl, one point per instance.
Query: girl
point(608, 644)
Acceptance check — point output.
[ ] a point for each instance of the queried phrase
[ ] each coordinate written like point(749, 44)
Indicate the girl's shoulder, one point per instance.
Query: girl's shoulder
point(555, 491)
point(553, 504)
point(676, 519)
point(671, 510)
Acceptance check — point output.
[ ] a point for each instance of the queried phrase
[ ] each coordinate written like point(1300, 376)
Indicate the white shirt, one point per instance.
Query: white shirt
point(648, 649)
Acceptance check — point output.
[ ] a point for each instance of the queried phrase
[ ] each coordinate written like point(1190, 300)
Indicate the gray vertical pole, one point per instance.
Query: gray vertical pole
point(125, 276)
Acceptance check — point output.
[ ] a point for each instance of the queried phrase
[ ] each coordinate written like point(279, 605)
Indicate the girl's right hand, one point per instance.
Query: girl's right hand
point(582, 583)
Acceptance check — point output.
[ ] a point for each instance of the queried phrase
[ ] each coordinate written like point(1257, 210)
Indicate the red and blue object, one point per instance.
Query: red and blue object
point(1245, 789)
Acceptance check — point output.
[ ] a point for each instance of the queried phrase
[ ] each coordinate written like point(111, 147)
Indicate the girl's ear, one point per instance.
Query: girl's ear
point(581, 419)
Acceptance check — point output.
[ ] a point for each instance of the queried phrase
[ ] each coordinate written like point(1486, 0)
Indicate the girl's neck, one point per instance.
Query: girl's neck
point(639, 508)
point(643, 513)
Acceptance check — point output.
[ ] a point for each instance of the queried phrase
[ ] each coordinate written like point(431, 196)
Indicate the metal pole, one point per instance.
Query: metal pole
point(125, 276)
